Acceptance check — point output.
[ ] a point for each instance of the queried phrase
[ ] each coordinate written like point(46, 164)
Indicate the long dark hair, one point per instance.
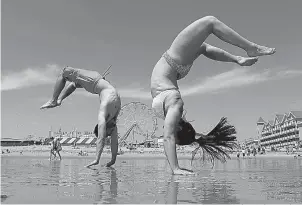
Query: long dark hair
point(215, 145)
point(109, 125)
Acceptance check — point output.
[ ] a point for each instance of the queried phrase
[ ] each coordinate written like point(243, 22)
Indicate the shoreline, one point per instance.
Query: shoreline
point(140, 153)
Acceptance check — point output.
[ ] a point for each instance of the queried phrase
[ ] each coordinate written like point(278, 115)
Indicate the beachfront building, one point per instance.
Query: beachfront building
point(19, 142)
point(72, 138)
point(251, 142)
point(160, 142)
point(72, 134)
point(285, 130)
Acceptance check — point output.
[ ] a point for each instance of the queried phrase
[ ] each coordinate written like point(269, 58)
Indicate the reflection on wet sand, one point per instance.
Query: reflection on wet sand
point(102, 179)
point(54, 175)
point(172, 191)
point(27, 180)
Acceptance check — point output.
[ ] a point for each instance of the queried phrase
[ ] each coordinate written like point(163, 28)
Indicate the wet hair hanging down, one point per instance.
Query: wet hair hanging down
point(215, 145)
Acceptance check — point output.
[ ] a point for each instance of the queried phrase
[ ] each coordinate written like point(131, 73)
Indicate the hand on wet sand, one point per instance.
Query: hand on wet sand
point(183, 171)
point(109, 164)
point(50, 104)
point(92, 164)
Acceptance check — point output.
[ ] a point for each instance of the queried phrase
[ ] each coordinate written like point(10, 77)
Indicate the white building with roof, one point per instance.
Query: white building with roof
point(284, 130)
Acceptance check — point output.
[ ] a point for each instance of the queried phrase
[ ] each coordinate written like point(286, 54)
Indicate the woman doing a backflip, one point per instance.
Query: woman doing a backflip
point(95, 83)
point(174, 65)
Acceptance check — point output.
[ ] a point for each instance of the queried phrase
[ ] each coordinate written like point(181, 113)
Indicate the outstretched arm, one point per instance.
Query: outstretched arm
point(114, 146)
point(102, 134)
point(218, 54)
point(68, 90)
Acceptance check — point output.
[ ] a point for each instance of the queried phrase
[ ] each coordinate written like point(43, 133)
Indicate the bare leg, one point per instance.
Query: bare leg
point(69, 89)
point(59, 155)
point(60, 84)
point(172, 118)
point(50, 154)
point(219, 54)
point(196, 33)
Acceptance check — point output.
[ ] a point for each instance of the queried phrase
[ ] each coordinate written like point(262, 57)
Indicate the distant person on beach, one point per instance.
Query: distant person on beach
point(263, 150)
point(55, 147)
point(238, 154)
point(243, 153)
point(95, 83)
point(112, 132)
point(248, 152)
point(254, 151)
point(176, 63)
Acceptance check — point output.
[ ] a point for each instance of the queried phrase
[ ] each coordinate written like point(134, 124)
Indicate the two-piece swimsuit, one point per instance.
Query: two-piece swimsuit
point(158, 102)
point(83, 78)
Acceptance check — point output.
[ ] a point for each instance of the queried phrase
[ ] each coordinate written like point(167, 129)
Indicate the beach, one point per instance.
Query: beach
point(68, 151)
point(146, 178)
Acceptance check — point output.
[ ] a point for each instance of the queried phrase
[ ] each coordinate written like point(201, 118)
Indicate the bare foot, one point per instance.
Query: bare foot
point(181, 171)
point(260, 51)
point(49, 104)
point(243, 61)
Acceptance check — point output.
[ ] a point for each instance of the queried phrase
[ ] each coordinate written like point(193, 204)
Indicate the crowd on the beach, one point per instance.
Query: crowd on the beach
point(5, 151)
point(253, 151)
point(248, 151)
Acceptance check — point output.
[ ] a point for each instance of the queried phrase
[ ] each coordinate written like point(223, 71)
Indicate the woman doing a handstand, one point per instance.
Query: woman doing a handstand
point(176, 63)
point(95, 83)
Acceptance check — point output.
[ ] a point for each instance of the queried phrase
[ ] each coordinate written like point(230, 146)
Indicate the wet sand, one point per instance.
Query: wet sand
point(36, 180)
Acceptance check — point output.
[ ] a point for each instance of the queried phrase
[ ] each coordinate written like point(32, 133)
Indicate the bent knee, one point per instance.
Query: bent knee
point(209, 20)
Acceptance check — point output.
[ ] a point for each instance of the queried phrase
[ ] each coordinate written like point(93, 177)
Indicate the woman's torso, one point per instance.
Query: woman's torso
point(163, 78)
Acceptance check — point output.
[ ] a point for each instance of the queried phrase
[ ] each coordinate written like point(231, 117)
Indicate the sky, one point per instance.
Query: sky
point(40, 37)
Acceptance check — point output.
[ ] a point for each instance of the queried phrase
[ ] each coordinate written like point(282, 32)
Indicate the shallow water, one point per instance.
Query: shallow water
point(38, 180)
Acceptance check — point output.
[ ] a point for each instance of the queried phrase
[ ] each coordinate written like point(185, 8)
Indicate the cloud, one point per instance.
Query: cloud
point(289, 73)
point(30, 77)
point(237, 77)
point(41, 76)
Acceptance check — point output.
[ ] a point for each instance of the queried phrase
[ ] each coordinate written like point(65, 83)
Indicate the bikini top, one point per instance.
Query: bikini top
point(182, 70)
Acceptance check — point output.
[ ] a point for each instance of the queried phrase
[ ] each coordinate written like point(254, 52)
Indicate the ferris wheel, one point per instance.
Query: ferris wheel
point(136, 123)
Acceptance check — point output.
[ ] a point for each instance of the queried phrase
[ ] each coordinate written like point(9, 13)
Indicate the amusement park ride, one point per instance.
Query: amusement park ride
point(136, 123)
